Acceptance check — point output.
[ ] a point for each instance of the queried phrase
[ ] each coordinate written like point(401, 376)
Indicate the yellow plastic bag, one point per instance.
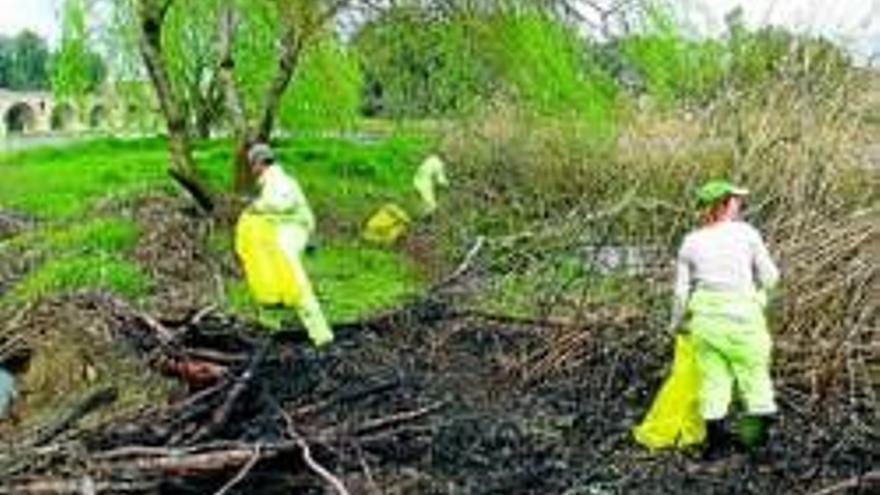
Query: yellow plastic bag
point(386, 225)
point(674, 418)
point(269, 275)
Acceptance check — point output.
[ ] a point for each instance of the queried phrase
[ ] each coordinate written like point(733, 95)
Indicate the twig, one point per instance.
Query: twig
point(380, 423)
point(320, 470)
point(242, 473)
point(351, 396)
point(215, 356)
point(463, 267)
point(216, 460)
point(78, 486)
point(368, 474)
point(221, 414)
point(307, 456)
point(201, 314)
point(870, 477)
point(395, 419)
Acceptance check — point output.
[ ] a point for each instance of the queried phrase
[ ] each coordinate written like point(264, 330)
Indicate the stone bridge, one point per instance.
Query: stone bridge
point(37, 112)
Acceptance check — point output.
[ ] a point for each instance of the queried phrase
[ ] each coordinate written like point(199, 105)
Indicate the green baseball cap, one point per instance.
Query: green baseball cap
point(716, 190)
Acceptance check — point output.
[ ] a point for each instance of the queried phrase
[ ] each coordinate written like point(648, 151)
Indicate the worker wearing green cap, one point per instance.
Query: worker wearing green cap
point(723, 272)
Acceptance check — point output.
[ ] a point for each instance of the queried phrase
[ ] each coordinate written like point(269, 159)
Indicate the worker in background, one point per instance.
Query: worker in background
point(430, 174)
point(282, 201)
point(724, 272)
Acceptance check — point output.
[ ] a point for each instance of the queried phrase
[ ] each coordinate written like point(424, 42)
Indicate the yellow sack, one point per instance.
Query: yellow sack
point(674, 418)
point(268, 272)
point(386, 225)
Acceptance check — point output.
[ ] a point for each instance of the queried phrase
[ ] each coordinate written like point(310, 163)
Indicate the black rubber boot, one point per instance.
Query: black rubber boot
point(717, 440)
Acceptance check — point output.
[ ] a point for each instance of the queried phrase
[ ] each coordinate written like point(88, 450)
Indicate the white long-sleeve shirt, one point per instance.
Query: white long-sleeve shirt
point(280, 194)
point(727, 256)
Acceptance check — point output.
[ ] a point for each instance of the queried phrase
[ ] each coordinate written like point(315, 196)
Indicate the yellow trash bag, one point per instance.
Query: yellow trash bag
point(386, 225)
point(268, 272)
point(674, 418)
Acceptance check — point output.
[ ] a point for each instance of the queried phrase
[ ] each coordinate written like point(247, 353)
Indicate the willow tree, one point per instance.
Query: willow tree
point(70, 79)
point(257, 52)
point(257, 47)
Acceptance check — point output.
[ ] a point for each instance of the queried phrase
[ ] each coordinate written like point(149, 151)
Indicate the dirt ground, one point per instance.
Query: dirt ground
point(428, 399)
point(433, 401)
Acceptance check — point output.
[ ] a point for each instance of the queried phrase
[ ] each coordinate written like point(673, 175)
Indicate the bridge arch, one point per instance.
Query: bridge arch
point(20, 118)
point(98, 117)
point(63, 117)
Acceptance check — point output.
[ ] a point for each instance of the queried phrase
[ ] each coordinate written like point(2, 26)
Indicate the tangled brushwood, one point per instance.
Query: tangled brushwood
point(426, 399)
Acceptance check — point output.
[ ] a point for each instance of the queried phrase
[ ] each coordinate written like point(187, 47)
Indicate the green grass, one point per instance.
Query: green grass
point(80, 256)
point(345, 181)
point(351, 279)
point(106, 235)
point(67, 181)
point(351, 282)
point(341, 177)
point(81, 272)
point(563, 283)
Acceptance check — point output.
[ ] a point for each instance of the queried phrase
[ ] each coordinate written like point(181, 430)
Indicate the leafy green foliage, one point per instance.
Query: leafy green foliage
point(189, 39)
point(673, 67)
point(76, 70)
point(24, 62)
point(326, 90)
point(772, 53)
point(670, 66)
point(547, 68)
point(418, 63)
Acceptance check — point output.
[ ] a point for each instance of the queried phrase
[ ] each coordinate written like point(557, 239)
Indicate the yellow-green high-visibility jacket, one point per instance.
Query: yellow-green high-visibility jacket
point(282, 197)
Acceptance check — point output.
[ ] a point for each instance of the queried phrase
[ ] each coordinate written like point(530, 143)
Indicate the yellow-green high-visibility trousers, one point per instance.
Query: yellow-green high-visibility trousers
point(292, 239)
point(732, 347)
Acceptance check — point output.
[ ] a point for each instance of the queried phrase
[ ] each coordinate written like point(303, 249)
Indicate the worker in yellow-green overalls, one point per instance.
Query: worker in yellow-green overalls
point(430, 175)
point(282, 203)
point(724, 272)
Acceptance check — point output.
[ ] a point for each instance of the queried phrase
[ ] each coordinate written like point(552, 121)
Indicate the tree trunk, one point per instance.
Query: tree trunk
point(210, 110)
point(242, 177)
point(292, 43)
point(151, 14)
